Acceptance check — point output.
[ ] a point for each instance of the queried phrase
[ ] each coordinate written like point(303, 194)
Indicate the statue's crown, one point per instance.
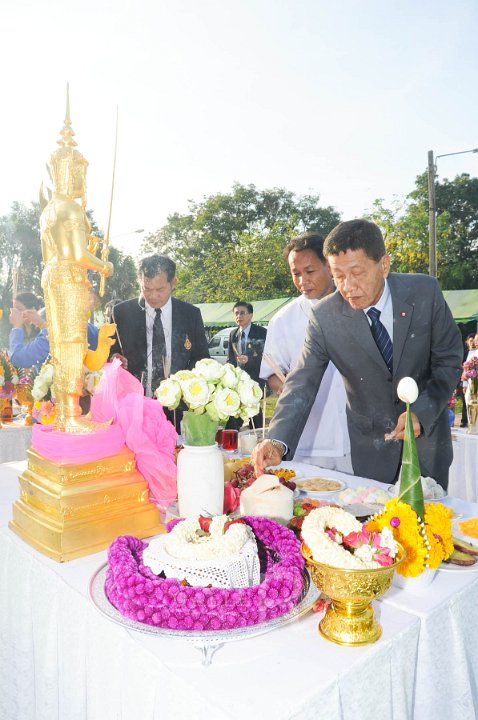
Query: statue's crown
point(66, 162)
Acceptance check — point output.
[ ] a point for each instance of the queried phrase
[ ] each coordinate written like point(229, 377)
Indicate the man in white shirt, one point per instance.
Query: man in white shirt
point(325, 439)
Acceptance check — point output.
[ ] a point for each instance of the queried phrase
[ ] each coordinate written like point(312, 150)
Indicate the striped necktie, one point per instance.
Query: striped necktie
point(381, 337)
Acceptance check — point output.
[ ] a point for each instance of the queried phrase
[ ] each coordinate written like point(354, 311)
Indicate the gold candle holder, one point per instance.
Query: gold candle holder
point(350, 619)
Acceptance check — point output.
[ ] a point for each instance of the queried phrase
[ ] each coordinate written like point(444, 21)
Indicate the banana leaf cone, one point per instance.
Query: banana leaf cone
point(411, 490)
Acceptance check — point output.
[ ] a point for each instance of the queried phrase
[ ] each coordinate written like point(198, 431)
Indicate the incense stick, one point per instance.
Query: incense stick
point(275, 367)
point(264, 414)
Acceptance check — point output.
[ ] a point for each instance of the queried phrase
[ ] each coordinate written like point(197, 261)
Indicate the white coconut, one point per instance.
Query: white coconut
point(407, 390)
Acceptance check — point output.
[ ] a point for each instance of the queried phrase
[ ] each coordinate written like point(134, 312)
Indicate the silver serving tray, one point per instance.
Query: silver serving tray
point(206, 641)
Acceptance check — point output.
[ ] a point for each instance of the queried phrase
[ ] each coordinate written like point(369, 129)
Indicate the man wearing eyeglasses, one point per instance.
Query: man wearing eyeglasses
point(246, 345)
point(157, 334)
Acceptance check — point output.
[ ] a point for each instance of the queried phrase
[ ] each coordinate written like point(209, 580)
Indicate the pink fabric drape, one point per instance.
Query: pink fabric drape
point(146, 430)
point(72, 448)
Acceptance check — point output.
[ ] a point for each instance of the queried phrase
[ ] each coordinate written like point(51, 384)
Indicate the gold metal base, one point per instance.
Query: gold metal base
point(347, 624)
point(349, 619)
point(67, 511)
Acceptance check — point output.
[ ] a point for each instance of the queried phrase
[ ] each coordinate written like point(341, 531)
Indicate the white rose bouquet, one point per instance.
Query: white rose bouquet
point(221, 391)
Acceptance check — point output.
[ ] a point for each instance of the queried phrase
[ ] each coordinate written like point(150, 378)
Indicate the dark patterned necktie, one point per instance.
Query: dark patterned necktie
point(243, 343)
point(381, 337)
point(158, 351)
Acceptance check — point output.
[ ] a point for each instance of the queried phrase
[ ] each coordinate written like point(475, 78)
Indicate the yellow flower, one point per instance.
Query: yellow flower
point(439, 533)
point(402, 520)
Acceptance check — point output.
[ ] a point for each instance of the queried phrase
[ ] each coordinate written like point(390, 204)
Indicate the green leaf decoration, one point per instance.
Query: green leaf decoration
point(411, 490)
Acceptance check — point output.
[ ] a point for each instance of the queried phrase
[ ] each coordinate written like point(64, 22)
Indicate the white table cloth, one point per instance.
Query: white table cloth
point(463, 482)
point(61, 660)
point(15, 440)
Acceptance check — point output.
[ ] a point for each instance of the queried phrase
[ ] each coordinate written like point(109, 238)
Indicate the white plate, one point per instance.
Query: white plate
point(461, 536)
point(450, 567)
point(320, 493)
point(391, 491)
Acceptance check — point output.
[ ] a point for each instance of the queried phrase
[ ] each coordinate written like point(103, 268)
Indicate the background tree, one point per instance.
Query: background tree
point(230, 245)
point(405, 226)
point(20, 249)
point(123, 285)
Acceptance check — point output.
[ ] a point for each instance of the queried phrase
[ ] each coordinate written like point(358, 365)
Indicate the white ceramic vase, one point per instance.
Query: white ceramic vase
point(200, 481)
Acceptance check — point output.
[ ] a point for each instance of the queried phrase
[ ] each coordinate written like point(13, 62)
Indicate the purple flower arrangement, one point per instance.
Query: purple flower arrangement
point(166, 602)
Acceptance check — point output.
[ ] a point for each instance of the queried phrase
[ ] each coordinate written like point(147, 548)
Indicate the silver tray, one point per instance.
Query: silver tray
point(206, 641)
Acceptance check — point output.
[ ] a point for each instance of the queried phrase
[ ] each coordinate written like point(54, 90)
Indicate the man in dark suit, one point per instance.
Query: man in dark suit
point(414, 335)
point(246, 345)
point(156, 334)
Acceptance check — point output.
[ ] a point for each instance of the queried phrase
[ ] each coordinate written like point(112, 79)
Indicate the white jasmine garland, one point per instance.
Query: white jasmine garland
point(187, 542)
point(330, 551)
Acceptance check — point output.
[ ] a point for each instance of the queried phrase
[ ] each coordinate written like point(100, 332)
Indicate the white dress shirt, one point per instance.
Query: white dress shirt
point(167, 320)
point(385, 306)
point(325, 433)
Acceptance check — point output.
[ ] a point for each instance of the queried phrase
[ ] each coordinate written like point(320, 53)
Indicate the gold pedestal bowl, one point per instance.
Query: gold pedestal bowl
point(350, 619)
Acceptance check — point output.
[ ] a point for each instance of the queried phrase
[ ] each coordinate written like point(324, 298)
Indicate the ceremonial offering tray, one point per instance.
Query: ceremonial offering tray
point(206, 641)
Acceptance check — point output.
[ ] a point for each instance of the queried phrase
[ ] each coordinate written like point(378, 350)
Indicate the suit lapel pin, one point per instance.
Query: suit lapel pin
point(403, 314)
point(187, 343)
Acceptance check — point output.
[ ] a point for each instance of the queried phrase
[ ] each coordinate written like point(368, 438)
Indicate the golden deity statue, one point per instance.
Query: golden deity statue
point(66, 244)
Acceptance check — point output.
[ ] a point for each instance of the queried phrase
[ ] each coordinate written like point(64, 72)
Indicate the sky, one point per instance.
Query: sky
point(338, 98)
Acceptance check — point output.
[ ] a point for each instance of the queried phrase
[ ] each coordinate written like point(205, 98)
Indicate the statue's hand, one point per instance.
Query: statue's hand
point(108, 269)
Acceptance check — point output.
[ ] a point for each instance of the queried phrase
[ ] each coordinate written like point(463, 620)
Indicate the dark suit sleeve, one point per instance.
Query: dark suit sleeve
point(231, 357)
point(116, 318)
point(200, 349)
point(254, 350)
point(300, 389)
point(445, 364)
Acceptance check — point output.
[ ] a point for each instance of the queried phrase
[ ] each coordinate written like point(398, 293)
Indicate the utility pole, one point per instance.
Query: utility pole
point(432, 228)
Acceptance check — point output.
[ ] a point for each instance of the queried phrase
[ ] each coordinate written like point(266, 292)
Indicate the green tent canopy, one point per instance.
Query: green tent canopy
point(463, 305)
point(220, 314)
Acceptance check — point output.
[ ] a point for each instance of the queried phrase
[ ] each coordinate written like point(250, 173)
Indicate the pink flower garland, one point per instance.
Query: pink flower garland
point(140, 595)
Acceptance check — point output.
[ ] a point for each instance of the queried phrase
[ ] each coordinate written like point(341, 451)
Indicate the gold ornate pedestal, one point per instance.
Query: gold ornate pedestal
point(67, 511)
point(349, 619)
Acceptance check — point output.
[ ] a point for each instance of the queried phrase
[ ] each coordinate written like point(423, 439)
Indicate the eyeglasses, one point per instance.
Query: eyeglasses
point(241, 312)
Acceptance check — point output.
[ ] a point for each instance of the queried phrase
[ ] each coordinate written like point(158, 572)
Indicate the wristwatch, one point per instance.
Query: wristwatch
point(280, 446)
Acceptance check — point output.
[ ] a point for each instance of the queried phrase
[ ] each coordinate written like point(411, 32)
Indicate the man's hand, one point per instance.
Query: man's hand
point(242, 359)
point(16, 318)
point(33, 317)
point(108, 269)
point(264, 455)
point(122, 359)
point(275, 384)
point(398, 431)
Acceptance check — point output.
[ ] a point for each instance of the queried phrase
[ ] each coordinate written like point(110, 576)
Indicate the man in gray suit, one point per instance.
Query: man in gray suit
point(378, 328)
